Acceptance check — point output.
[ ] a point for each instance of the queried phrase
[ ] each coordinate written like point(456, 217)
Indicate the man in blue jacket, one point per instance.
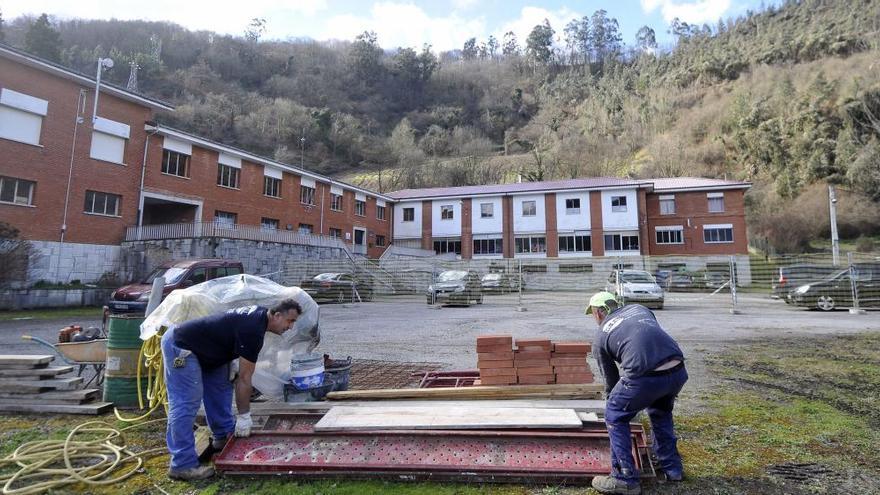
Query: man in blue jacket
point(651, 374)
point(196, 356)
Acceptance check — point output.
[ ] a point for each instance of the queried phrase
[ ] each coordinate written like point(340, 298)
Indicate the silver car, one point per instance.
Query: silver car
point(636, 286)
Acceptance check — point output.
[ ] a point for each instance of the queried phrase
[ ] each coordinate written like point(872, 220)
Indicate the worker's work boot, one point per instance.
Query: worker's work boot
point(191, 474)
point(673, 476)
point(614, 486)
point(218, 443)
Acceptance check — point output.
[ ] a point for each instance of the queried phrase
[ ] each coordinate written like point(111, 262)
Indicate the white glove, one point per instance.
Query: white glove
point(243, 424)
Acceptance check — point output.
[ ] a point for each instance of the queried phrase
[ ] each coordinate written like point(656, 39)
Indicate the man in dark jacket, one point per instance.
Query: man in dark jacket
point(651, 374)
point(196, 357)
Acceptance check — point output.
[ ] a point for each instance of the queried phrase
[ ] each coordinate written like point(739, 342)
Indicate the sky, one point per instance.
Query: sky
point(443, 24)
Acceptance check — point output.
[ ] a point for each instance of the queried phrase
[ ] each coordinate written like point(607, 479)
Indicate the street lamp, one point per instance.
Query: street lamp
point(103, 63)
point(302, 147)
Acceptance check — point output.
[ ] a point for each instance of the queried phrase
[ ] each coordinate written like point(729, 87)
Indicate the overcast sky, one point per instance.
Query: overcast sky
point(444, 24)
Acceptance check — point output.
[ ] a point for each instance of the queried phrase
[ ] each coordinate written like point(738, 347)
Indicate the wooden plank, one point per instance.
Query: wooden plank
point(24, 360)
point(36, 372)
point(28, 388)
point(581, 391)
point(343, 418)
point(581, 405)
point(10, 384)
point(68, 395)
point(36, 399)
point(90, 408)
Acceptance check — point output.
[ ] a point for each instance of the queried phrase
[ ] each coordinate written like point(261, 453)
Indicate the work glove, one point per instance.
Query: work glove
point(243, 424)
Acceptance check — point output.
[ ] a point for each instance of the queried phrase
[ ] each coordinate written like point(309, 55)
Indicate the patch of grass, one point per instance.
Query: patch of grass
point(53, 313)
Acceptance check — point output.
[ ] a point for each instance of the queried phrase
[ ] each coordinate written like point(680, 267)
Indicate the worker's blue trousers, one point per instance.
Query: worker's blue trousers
point(187, 387)
point(656, 394)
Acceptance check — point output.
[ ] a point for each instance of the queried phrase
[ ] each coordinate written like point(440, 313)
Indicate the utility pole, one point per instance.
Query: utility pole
point(302, 148)
point(835, 242)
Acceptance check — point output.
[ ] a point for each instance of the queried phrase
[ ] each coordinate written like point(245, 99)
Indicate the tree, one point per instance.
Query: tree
point(511, 45)
point(366, 57)
point(605, 36)
point(470, 51)
point(255, 29)
point(539, 43)
point(43, 40)
point(577, 38)
point(492, 47)
point(646, 40)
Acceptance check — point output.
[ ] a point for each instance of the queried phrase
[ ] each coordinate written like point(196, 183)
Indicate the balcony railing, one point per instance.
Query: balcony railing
point(245, 232)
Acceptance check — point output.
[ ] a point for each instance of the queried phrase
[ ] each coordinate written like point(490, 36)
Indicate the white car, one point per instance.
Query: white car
point(635, 286)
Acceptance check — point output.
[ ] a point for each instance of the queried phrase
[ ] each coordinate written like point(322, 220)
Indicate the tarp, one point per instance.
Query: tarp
point(221, 294)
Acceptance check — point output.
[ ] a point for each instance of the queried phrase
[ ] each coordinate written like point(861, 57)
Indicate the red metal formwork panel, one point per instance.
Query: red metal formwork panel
point(496, 455)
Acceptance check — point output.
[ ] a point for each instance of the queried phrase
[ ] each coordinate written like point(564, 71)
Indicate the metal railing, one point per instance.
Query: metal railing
point(243, 232)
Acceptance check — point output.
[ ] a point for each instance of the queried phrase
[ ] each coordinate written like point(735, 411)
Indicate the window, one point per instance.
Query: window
point(17, 191)
point(272, 187)
point(447, 212)
point(670, 235)
point(487, 210)
point(715, 234)
point(380, 241)
point(488, 246)
point(575, 243)
point(102, 203)
point(529, 209)
point(335, 202)
point(667, 205)
point(573, 206)
point(409, 214)
point(306, 228)
point(269, 223)
point(447, 246)
point(380, 212)
point(307, 195)
point(107, 147)
point(530, 244)
point(225, 218)
point(716, 202)
point(618, 203)
point(621, 242)
point(21, 116)
point(227, 176)
point(360, 208)
point(335, 233)
point(174, 163)
point(575, 268)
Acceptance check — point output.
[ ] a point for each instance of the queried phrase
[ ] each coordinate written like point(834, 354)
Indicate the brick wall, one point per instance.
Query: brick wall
point(692, 212)
point(467, 226)
point(597, 238)
point(550, 228)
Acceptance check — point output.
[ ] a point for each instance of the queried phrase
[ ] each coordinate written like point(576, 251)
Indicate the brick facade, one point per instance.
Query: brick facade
point(692, 213)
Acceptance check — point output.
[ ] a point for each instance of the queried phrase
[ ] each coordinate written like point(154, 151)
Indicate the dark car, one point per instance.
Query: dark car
point(338, 287)
point(457, 287)
point(794, 276)
point(681, 282)
point(836, 291)
point(499, 282)
point(179, 274)
point(715, 280)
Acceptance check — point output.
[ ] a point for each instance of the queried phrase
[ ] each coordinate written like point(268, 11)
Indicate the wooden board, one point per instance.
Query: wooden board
point(24, 360)
point(66, 395)
point(10, 384)
point(345, 418)
point(90, 408)
point(583, 391)
point(269, 408)
point(36, 372)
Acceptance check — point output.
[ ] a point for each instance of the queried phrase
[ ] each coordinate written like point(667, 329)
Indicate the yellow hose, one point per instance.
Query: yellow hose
point(50, 464)
point(150, 357)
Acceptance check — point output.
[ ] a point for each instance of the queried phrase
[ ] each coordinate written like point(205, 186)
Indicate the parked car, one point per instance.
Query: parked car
point(456, 287)
point(178, 274)
point(500, 282)
point(338, 287)
point(794, 276)
point(836, 291)
point(714, 280)
point(681, 282)
point(636, 286)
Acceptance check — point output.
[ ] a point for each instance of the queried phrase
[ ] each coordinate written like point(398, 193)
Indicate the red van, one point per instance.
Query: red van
point(180, 274)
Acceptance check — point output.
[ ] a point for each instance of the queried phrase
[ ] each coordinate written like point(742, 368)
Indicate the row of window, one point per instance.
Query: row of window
point(230, 219)
point(21, 192)
point(572, 207)
point(574, 243)
point(712, 234)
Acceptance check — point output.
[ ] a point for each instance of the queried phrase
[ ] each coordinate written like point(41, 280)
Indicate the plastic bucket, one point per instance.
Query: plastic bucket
point(294, 394)
point(307, 370)
point(340, 371)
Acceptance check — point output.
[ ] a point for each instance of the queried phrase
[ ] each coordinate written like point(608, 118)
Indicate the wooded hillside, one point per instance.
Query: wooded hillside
point(788, 98)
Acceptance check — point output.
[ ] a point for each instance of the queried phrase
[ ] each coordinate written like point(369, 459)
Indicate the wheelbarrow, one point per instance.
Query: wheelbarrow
point(90, 353)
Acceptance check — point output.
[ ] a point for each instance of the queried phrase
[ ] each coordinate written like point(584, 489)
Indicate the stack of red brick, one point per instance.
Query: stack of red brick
point(532, 362)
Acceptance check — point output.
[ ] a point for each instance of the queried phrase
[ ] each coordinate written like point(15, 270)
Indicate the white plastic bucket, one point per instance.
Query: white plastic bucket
point(307, 370)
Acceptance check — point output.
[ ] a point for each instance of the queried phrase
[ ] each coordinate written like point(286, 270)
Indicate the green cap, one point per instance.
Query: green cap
point(599, 300)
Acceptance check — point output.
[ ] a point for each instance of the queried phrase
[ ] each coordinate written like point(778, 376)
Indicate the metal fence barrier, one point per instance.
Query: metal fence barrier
point(731, 283)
